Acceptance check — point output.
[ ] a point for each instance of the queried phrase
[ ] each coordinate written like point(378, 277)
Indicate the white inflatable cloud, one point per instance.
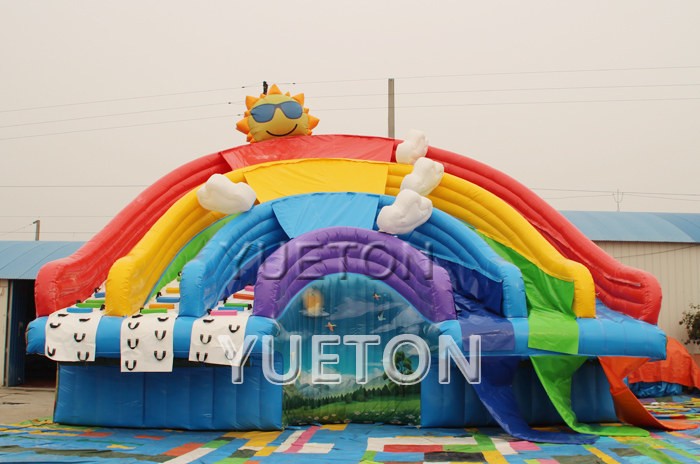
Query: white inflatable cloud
point(414, 146)
point(426, 175)
point(408, 211)
point(220, 194)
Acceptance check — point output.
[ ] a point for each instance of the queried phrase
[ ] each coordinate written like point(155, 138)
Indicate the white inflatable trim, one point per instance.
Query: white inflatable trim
point(71, 336)
point(426, 175)
point(146, 343)
point(414, 146)
point(220, 194)
point(408, 211)
point(205, 343)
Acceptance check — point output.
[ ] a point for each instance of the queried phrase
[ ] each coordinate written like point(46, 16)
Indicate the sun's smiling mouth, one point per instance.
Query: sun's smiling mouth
point(285, 134)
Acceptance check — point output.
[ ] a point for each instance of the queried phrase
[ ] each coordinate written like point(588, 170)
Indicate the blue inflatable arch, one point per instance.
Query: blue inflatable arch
point(232, 257)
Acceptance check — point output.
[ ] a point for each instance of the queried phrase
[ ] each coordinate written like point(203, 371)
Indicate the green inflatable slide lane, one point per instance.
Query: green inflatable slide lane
point(555, 374)
point(551, 320)
point(188, 252)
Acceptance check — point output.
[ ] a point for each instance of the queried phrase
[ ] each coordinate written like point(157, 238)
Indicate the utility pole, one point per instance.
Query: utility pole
point(37, 230)
point(391, 108)
point(618, 196)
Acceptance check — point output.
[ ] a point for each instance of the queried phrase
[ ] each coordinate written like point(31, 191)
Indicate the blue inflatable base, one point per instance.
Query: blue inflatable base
point(192, 398)
point(204, 398)
point(457, 405)
point(655, 389)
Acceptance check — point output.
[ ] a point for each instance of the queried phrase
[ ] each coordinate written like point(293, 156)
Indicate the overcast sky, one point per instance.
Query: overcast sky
point(576, 100)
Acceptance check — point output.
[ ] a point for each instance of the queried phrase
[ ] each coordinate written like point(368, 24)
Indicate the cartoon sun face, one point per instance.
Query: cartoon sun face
point(276, 115)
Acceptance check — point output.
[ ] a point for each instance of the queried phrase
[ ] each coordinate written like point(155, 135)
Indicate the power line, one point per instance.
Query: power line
point(541, 102)
point(129, 113)
point(617, 195)
point(598, 194)
point(666, 193)
point(519, 89)
point(115, 114)
point(70, 186)
point(17, 231)
point(575, 196)
point(110, 100)
point(357, 95)
point(556, 71)
point(570, 190)
point(658, 252)
point(611, 191)
point(58, 217)
point(340, 81)
point(499, 73)
point(45, 232)
point(118, 127)
point(662, 198)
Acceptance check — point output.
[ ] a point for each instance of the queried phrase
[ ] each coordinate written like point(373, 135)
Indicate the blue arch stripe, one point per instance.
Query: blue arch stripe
point(207, 278)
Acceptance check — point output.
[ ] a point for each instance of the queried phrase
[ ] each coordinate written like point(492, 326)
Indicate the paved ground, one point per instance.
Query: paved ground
point(20, 404)
point(44, 441)
point(40, 441)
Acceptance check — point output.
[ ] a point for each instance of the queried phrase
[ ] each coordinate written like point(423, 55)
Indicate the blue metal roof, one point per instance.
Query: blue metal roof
point(637, 227)
point(22, 260)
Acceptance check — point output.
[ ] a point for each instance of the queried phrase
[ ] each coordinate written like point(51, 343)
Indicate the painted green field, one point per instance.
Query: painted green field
point(390, 411)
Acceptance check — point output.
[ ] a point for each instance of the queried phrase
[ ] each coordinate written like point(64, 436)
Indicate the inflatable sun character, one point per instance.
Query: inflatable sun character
point(275, 115)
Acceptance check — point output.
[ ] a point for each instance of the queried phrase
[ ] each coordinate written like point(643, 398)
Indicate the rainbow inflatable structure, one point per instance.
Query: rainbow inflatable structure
point(323, 240)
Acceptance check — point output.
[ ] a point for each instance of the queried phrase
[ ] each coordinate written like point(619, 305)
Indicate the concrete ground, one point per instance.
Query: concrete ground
point(19, 404)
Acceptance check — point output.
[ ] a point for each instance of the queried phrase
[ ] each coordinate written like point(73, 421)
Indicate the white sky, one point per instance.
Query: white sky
point(591, 96)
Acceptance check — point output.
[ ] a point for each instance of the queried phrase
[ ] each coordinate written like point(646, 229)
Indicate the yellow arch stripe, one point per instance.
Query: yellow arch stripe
point(498, 220)
point(295, 177)
point(133, 276)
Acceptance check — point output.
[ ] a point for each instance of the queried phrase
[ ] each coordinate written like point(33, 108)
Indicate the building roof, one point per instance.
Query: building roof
point(618, 226)
point(22, 260)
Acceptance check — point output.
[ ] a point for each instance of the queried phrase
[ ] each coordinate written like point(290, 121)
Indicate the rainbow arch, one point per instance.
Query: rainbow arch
point(630, 291)
point(132, 277)
point(533, 268)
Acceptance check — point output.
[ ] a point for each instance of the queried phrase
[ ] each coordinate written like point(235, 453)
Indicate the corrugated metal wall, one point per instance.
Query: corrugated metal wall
point(675, 265)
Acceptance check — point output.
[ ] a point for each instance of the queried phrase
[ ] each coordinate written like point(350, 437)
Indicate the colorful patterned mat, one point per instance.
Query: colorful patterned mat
point(43, 441)
point(674, 407)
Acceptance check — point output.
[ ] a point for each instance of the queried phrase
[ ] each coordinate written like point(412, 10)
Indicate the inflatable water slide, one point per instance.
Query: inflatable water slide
point(304, 279)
